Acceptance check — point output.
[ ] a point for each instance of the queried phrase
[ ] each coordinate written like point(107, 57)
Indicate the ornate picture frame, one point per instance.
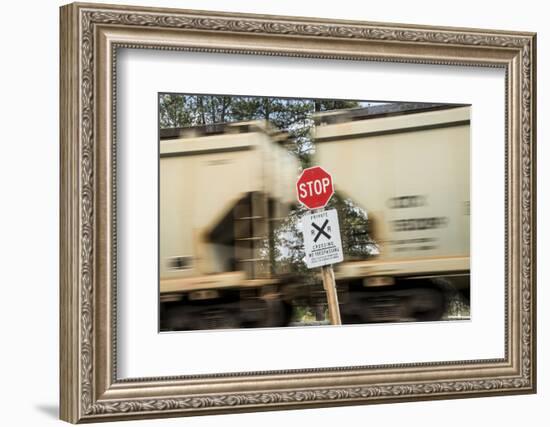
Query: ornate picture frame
point(90, 37)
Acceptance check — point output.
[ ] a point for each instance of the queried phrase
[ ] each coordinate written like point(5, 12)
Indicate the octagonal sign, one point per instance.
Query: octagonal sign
point(314, 187)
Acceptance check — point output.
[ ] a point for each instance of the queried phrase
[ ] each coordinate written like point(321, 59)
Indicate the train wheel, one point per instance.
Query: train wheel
point(217, 318)
point(267, 313)
point(427, 304)
point(180, 317)
point(356, 311)
point(280, 313)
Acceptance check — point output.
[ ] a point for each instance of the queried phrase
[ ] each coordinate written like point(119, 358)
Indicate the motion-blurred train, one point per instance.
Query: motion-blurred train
point(226, 189)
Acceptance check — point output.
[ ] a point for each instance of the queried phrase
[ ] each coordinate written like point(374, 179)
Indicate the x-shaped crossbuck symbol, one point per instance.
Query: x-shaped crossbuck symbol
point(320, 230)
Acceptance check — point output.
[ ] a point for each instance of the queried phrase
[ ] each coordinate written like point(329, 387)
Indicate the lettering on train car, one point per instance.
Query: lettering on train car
point(414, 224)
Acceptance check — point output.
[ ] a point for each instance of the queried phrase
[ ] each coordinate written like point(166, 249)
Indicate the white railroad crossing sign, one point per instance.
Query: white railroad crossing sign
point(322, 238)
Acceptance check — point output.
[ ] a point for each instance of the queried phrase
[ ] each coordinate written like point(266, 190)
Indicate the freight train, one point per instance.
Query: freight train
point(227, 196)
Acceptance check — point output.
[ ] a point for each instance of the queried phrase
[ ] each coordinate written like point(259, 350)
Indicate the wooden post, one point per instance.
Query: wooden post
point(332, 296)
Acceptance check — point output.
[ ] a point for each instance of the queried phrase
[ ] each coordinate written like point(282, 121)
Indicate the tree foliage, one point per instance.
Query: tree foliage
point(290, 115)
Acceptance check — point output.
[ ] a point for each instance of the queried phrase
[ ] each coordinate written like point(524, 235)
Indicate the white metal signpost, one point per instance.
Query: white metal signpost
point(322, 243)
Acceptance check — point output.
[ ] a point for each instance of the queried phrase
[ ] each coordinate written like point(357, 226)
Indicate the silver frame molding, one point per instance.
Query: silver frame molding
point(90, 37)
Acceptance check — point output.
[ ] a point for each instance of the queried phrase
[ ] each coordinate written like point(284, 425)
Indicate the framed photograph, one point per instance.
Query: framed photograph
point(236, 250)
point(267, 212)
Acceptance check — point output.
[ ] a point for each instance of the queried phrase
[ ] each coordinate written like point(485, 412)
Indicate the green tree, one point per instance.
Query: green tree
point(290, 115)
point(174, 111)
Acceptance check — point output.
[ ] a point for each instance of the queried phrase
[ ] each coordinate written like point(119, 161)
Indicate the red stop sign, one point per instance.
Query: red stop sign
point(314, 187)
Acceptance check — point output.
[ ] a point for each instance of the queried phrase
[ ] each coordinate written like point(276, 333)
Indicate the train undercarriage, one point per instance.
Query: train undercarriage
point(414, 299)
